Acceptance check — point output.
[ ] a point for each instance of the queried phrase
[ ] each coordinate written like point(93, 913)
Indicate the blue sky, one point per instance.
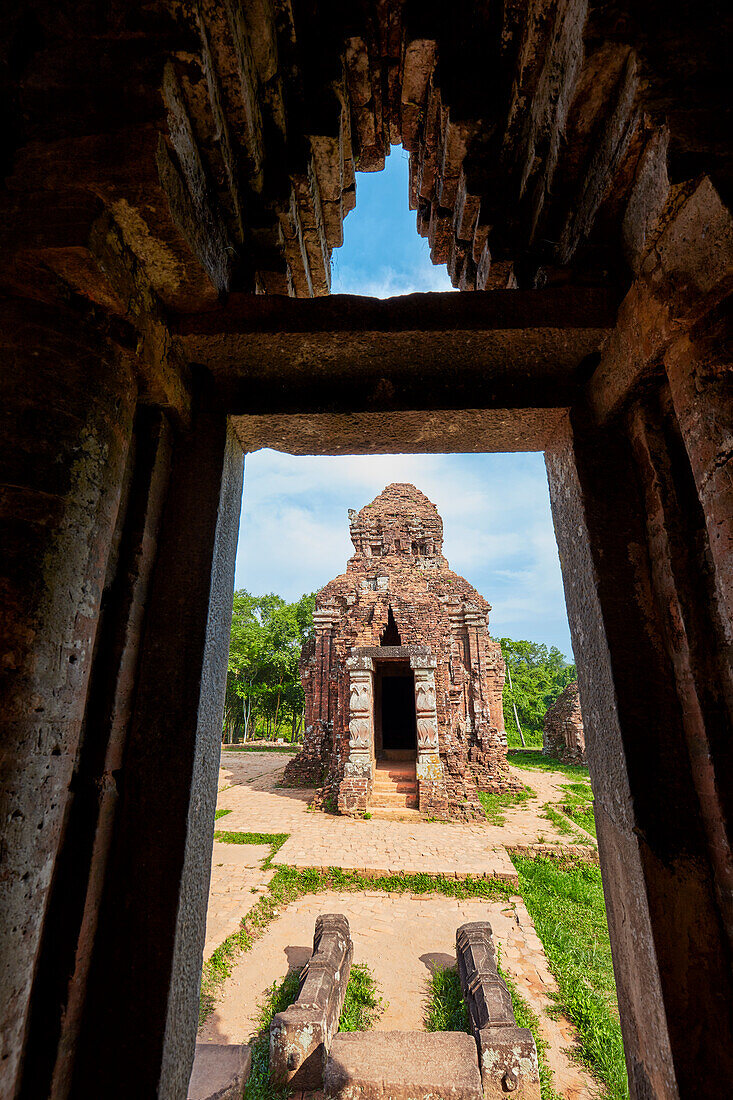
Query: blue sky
point(294, 533)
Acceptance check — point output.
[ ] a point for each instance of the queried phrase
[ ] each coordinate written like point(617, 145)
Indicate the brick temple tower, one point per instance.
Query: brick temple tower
point(403, 684)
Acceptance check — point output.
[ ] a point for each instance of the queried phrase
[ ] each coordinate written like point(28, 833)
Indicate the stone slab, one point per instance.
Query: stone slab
point(403, 1065)
point(220, 1071)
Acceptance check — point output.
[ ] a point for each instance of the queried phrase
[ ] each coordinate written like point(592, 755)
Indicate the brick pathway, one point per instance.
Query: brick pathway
point(321, 840)
point(400, 937)
point(235, 871)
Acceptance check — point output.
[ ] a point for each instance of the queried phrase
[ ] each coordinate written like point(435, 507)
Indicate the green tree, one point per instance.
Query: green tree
point(263, 680)
point(535, 677)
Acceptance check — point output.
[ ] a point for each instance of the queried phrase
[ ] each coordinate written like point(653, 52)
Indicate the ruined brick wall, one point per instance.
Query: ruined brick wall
point(398, 566)
point(563, 734)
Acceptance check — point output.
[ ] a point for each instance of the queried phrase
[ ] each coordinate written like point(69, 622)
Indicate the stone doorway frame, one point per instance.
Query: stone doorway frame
point(356, 787)
point(653, 698)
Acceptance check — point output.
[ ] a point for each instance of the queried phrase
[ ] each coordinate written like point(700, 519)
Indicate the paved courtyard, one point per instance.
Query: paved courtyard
point(400, 937)
point(249, 789)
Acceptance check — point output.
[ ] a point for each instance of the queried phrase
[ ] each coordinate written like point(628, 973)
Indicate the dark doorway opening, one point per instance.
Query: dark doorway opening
point(397, 719)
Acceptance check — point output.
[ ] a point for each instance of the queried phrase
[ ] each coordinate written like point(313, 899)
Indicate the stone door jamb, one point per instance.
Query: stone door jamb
point(429, 767)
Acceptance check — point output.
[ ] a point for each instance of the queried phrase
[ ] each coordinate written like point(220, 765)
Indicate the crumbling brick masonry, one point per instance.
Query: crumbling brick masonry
point(402, 667)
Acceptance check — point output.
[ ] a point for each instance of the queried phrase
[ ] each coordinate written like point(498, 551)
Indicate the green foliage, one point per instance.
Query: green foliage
point(362, 1006)
point(263, 680)
point(538, 675)
point(535, 758)
point(495, 804)
point(362, 1003)
point(445, 1009)
point(290, 749)
point(565, 901)
point(221, 813)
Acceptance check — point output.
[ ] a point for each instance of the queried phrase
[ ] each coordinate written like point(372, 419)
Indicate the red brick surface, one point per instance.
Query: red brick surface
point(398, 564)
point(563, 734)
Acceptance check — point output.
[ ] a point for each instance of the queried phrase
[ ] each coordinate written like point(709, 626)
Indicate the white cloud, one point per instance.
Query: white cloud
point(387, 282)
point(498, 532)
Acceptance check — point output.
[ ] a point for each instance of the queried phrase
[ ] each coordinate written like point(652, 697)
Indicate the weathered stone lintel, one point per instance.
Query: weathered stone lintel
point(300, 1037)
point(438, 428)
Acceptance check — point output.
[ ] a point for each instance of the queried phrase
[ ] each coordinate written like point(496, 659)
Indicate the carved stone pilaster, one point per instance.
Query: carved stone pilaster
point(427, 717)
point(361, 704)
point(429, 768)
point(356, 785)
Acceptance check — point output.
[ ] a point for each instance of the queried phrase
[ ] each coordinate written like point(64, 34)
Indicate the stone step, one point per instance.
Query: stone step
point(394, 800)
point(405, 785)
point(403, 1065)
point(383, 813)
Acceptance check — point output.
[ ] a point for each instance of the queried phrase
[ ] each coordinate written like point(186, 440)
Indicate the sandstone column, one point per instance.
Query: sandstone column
point(432, 796)
point(140, 1017)
point(661, 878)
point(66, 410)
point(356, 786)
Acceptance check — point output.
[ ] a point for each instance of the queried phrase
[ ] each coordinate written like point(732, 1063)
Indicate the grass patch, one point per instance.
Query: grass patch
point(362, 1006)
point(445, 1010)
point(535, 758)
point(261, 748)
point(559, 820)
point(495, 805)
point(565, 901)
point(584, 816)
point(579, 805)
point(221, 813)
point(275, 840)
point(290, 883)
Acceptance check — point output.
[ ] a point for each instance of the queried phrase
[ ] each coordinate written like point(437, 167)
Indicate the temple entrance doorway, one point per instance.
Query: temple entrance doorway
point(395, 717)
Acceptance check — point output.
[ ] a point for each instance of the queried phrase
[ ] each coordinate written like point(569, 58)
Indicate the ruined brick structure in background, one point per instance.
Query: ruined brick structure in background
point(402, 666)
point(563, 734)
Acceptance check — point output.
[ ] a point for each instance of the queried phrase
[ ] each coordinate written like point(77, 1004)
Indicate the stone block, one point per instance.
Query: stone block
point(300, 1037)
point(507, 1053)
point(220, 1071)
point(402, 1065)
point(508, 1061)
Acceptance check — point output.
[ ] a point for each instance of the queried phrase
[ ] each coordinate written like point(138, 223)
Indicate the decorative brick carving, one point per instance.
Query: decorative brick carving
point(400, 602)
point(427, 734)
